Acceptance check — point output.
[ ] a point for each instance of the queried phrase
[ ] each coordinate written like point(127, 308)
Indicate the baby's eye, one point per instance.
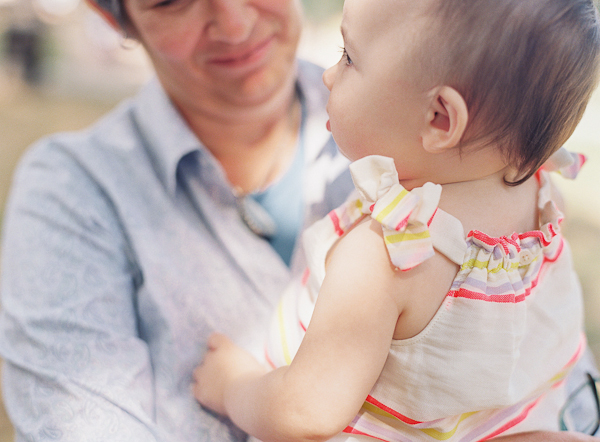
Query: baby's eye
point(346, 57)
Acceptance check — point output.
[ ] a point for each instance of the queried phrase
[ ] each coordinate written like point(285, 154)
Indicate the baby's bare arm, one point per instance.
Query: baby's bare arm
point(340, 359)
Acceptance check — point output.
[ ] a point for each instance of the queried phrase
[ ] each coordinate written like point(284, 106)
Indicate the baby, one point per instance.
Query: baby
point(447, 304)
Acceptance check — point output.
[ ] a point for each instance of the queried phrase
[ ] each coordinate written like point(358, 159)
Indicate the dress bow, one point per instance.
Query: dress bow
point(404, 215)
point(568, 164)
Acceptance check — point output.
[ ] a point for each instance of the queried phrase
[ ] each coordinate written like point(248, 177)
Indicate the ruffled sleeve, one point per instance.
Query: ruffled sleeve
point(567, 164)
point(404, 215)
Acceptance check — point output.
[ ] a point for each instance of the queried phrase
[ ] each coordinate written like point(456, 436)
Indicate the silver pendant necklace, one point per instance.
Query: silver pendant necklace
point(255, 216)
point(252, 213)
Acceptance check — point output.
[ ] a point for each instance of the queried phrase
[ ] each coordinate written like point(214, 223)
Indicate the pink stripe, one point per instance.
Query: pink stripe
point(558, 252)
point(405, 419)
point(513, 422)
point(488, 239)
point(268, 359)
point(351, 430)
point(501, 299)
point(491, 241)
point(509, 297)
point(513, 240)
point(305, 276)
point(402, 224)
point(534, 234)
point(578, 352)
point(552, 231)
point(336, 223)
point(431, 219)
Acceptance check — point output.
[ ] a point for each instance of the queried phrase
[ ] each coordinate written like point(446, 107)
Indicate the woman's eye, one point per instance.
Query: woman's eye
point(346, 57)
point(164, 3)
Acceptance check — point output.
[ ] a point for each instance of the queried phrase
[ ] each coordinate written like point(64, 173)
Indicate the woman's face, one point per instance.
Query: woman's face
point(211, 53)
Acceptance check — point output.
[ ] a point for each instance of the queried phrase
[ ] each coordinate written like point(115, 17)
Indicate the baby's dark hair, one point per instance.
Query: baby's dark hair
point(526, 69)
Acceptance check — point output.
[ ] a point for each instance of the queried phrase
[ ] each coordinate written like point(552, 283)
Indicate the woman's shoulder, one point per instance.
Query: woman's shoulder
point(66, 153)
point(82, 165)
point(111, 126)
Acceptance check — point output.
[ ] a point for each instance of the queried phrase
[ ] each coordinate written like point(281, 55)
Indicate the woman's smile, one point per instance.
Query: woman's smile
point(247, 58)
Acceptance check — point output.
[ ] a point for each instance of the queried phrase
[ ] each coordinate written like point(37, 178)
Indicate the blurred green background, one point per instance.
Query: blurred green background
point(77, 69)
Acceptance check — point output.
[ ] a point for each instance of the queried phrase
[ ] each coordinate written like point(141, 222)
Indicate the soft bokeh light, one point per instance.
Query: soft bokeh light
point(55, 8)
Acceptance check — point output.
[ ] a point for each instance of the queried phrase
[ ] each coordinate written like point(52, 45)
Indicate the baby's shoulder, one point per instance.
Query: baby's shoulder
point(364, 254)
point(361, 259)
point(362, 246)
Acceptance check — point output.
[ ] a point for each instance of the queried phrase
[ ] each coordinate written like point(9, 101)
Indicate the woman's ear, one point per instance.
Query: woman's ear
point(446, 121)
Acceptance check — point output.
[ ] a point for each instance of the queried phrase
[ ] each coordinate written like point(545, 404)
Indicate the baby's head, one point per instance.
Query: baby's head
point(524, 69)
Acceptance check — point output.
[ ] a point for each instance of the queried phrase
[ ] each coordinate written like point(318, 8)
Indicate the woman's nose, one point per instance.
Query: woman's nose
point(328, 76)
point(232, 21)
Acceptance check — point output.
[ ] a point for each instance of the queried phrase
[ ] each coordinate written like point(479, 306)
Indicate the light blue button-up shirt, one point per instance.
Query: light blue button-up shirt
point(122, 250)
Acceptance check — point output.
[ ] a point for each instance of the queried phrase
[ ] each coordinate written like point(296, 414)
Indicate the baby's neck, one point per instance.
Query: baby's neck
point(473, 165)
point(489, 205)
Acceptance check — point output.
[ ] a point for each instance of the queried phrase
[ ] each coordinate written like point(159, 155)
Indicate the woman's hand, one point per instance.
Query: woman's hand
point(224, 364)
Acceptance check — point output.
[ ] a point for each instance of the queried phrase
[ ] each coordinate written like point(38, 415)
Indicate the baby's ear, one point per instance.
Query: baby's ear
point(446, 122)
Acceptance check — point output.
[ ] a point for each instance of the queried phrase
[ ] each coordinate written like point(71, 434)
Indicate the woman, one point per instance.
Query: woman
point(126, 244)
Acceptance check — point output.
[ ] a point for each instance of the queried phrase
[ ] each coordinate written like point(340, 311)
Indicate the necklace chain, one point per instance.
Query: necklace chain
point(252, 213)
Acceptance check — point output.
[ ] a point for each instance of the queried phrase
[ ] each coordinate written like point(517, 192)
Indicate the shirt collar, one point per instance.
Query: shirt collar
point(168, 138)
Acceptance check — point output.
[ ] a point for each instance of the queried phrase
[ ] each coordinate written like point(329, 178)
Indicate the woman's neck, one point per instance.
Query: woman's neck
point(254, 143)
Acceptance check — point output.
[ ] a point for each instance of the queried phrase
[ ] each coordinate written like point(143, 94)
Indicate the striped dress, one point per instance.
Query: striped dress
point(493, 358)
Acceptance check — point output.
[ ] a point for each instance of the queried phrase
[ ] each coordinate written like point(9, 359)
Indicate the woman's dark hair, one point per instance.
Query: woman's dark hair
point(116, 9)
point(526, 69)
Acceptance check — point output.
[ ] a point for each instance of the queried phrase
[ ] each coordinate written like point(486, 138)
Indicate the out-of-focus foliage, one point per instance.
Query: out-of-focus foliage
point(317, 10)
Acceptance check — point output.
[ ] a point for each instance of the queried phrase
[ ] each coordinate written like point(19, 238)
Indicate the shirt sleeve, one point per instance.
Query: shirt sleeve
point(75, 368)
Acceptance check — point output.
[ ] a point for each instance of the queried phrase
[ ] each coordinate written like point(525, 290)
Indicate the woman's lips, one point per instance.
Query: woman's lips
point(328, 125)
point(243, 58)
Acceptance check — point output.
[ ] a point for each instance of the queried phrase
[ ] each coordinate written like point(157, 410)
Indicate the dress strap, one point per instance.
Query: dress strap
point(403, 215)
point(448, 236)
point(412, 223)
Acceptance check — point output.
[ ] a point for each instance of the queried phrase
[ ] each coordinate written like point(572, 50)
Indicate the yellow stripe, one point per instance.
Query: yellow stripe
point(405, 236)
point(359, 204)
point(429, 431)
point(385, 212)
point(473, 263)
point(558, 377)
point(483, 264)
point(447, 435)
point(284, 345)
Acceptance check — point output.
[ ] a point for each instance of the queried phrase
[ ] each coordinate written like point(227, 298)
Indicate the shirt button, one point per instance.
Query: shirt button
point(525, 257)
